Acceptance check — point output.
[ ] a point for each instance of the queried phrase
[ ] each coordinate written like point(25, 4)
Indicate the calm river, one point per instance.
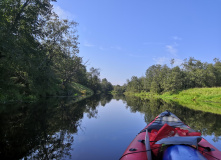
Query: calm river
point(100, 127)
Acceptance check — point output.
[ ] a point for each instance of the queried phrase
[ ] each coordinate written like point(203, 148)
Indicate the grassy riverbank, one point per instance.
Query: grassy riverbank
point(204, 99)
point(82, 91)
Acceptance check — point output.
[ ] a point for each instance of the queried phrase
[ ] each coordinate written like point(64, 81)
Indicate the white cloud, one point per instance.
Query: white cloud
point(153, 43)
point(171, 49)
point(86, 44)
point(117, 48)
point(102, 48)
point(177, 38)
point(62, 13)
point(161, 60)
point(138, 56)
point(177, 62)
point(165, 60)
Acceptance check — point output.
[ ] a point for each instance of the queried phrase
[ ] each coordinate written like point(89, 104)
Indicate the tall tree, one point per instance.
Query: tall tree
point(94, 80)
point(62, 46)
point(21, 22)
point(38, 51)
point(106, 86)
point(175, 80)
point(217, 67)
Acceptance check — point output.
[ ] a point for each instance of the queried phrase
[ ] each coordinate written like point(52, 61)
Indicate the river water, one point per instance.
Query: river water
point(100, 127)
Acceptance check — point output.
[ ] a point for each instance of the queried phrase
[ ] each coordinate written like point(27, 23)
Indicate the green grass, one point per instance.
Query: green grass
point(204, 99)
point(197, 94)
point(82, 90)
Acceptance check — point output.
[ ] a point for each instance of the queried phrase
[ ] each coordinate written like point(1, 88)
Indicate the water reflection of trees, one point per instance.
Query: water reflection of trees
point(207, 123)
point(91, 107)
point(43, 130)
point(119, 96)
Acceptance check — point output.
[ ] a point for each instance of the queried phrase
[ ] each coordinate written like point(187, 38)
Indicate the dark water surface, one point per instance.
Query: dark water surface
point(100, 127)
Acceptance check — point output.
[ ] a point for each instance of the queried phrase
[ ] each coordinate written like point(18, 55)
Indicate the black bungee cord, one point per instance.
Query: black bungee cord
point(139, 152)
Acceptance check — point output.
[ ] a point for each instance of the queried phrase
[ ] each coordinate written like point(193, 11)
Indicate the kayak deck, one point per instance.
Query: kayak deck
point(139, 148)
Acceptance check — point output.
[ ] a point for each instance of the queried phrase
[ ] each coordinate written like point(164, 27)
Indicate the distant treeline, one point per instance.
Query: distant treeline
point(161, 78)
point(39, 53)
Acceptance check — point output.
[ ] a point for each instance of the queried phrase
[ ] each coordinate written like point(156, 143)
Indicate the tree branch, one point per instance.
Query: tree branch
point(19, 15)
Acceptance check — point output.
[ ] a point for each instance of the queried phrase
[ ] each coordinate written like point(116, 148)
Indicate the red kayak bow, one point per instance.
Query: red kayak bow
point(168, 138)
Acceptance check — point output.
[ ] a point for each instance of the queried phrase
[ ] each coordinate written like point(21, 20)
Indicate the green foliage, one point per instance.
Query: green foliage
point(94, 80)
point(134, 85)
point(97, 85)
point(119, 89)
point(106, 86)
point(82, 89)
point(173, 84)
point(217, 71)
point(192, 73)
point(39, 52)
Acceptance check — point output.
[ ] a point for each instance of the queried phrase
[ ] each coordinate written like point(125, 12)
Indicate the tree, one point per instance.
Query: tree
point(217, 71)
point(172, 61)
point(152, 74)
point(175, 80)
point(94, 80)
point(210, 76)
point(192, 73)
point(21, 24)
point(106, 86)
point(134, 85)
point(155, 88)
point(62, 46)
point(38, 51)
point(120, 89)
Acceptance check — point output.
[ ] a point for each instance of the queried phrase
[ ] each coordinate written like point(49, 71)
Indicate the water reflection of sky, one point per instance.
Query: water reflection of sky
point(210, 138)
point(108, 135)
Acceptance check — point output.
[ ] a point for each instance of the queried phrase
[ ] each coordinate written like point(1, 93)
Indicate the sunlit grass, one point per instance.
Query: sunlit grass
point(205, 99)
point(82, 90)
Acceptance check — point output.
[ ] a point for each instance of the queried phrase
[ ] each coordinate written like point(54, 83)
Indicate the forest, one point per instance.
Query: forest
point(39, 57)
point(39, 54)
point(159, 79)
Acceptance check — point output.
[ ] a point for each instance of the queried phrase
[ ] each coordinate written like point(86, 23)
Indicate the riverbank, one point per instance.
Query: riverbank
point(78, 92)
point(204, 99)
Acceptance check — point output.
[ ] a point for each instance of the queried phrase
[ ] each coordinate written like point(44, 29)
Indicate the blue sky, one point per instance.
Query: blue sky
point(124, 37)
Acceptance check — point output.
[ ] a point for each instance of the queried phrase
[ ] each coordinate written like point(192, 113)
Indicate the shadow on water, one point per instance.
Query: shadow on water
point(43, 130)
